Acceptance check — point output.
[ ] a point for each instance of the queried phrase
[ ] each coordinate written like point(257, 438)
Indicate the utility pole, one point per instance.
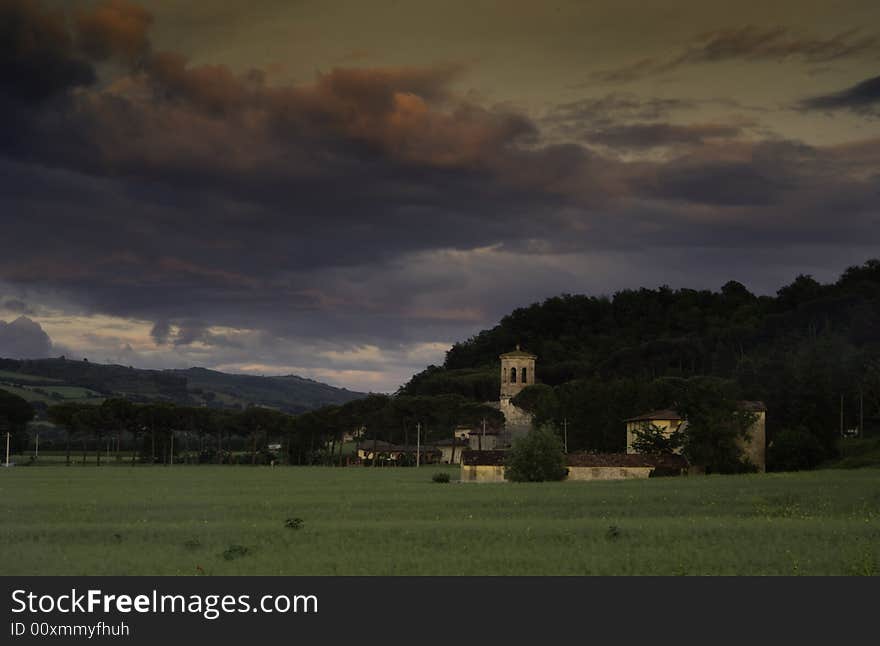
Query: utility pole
point(565, 433)
point(418, 443)
point(8, 436)
point(861, 412)
point(483, 436)
point(841, 416)
point(37, 446)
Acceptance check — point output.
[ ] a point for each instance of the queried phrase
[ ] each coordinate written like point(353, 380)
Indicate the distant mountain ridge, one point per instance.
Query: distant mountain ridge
point(50, 381)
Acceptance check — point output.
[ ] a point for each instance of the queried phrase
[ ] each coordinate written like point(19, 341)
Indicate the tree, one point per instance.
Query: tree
point(120, 415)
point(536, 457)
point(654, 439)
point(794, 449)
point(715, 427)
point(62, 415)
point(15, 413)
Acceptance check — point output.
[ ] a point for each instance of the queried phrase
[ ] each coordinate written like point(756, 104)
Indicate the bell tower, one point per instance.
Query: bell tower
point(517, 372)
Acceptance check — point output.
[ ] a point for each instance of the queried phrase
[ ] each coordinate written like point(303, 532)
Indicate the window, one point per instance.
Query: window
point(524, 380)
point(513, 375)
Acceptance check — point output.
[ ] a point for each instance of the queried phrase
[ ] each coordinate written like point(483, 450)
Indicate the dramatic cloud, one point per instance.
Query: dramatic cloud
point(862, 97)
point(114, 29)
point(38, 56)
point(750, 43)
point(160, 332)
point(17, 306)
point(24, 339)
point(161, 209)
point(652, 135)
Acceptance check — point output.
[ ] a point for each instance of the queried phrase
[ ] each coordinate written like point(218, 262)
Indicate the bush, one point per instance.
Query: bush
point(795, 449)
point(440, 477)
point(536, 457)
point(234, 552)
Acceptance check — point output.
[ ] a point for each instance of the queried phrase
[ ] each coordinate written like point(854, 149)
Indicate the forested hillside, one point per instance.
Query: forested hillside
point(48, 381)
point(807, 352)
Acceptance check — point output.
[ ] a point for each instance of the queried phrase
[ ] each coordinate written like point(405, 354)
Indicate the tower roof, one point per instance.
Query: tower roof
point(519, 354)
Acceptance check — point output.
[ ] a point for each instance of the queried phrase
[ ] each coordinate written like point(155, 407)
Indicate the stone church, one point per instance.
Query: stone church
point(485, 461)
point(517, 372)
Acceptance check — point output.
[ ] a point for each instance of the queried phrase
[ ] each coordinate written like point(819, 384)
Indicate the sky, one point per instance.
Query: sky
point(341, 190)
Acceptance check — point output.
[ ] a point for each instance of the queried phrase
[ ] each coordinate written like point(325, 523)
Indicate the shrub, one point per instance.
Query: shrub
point(795, 449)
point(440, 477)
point(234, 552)
point(536, 457)
point(293, 523)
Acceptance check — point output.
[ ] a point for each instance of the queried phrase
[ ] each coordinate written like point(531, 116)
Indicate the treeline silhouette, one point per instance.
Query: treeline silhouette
point(811, 353)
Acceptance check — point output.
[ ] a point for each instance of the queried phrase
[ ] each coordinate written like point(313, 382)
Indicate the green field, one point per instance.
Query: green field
point(43, 393)
point(18, 376)
point(361, 521)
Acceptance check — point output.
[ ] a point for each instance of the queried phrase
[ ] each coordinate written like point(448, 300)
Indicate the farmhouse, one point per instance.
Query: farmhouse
point(397, 453)
point(451, 449)
point(668, 421)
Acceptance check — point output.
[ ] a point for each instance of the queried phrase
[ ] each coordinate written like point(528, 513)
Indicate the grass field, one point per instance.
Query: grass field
point(19, 376)
point(43, 393)
point(360, 521)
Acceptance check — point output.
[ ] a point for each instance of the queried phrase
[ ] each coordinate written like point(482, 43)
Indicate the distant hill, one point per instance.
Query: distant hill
point(811, 353)
point(288, 392)
point(48, 381)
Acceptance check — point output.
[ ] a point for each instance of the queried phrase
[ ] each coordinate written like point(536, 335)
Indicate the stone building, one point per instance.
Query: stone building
point(488, 466)
point(666, 420)
point(754, 448)
point(517, 372)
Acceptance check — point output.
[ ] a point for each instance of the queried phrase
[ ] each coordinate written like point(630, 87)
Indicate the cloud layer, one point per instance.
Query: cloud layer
point(24, 339)
point(351, 225)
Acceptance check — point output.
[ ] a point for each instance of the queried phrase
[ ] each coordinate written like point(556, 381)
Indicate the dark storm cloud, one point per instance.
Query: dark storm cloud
point(614, 108)
point(368, 206)
point(653, 135)
point(160, 332)
point(23, 339)
point(629, 122)
point(38, 55)
point(719, 183)
point(17, 306)
point(113, 29)
point(862, 97)
point(750, 43)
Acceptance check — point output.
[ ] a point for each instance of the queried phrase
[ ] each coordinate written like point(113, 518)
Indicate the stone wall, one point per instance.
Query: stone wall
point(511, 388)
point(482, 473)
point(517, 422)
point(608, 473)
point(755, 449)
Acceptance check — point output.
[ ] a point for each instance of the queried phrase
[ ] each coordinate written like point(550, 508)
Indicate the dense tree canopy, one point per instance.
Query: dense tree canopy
point(806, 352)
point(15, 413)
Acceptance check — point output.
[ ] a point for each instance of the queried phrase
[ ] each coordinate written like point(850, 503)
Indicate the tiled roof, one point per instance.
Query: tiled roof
point(663, 414)
point(483, 458)
point(670, 414)
point(386, 447)
point(665, 461)
point(519, 353)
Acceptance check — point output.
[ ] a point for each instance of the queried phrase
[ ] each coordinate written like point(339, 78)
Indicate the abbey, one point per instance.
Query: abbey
point(517, 372)
point(485, 461)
